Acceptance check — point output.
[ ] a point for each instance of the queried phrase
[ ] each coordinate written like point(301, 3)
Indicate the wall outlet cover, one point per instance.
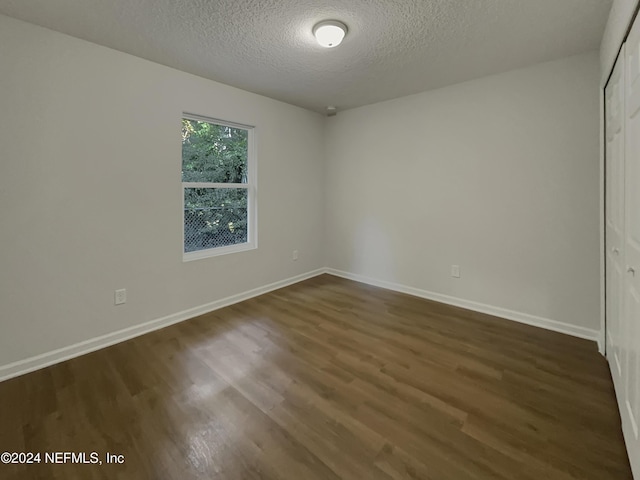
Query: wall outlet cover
point(120, 296)
point(455, 271)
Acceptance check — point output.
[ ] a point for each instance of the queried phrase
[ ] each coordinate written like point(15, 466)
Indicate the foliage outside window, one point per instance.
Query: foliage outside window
point(218, 182)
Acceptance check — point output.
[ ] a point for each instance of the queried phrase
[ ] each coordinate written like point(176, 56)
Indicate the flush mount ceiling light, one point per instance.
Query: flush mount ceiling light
point(329, 33)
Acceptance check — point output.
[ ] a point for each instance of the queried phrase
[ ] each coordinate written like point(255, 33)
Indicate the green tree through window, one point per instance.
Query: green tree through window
point(215, 178)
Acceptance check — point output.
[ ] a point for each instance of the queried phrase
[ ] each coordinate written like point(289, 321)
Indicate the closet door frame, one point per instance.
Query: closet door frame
point(624, 353)
point(602, 340)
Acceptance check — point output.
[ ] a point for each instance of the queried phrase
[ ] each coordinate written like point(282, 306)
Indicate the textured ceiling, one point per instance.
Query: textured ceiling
point(393, 48)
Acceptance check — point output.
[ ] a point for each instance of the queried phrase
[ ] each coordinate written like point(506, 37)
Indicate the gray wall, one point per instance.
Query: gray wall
point(497, 175)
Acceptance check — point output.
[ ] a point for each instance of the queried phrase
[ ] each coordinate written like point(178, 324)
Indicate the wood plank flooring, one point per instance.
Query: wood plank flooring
point(325, 379)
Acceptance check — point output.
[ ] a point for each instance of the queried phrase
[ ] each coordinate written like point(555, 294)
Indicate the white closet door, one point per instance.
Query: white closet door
point(630, 327)
point(614, 213)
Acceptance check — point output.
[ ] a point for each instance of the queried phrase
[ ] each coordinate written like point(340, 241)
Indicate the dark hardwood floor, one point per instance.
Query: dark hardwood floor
point(325, 379)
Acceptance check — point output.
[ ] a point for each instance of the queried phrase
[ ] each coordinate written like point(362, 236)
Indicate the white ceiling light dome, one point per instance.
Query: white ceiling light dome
point(330, 33)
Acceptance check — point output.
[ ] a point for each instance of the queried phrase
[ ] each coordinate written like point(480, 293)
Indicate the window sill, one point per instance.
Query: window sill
point(214, 252)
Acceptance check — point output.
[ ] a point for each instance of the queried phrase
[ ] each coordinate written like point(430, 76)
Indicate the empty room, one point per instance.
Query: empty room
point(340, 239)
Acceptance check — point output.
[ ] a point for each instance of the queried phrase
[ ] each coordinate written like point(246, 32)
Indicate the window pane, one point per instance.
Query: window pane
point(214, 217)
point(213, 153)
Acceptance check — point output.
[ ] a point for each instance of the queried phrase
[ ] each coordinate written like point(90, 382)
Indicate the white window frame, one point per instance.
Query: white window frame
point(252, 192)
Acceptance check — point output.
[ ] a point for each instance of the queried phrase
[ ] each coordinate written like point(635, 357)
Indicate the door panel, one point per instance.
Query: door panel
point(630, 320)
point(614, 213)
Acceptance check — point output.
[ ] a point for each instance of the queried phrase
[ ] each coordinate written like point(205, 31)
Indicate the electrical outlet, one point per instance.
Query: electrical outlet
point(121, 296)
point(295, 255)
point(455, 271)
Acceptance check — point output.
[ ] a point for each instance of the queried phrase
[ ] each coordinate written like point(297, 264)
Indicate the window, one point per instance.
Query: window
point(219, 187)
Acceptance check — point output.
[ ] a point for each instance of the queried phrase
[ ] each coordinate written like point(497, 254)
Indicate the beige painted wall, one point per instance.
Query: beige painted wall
point(90, 192)
point(497, 175)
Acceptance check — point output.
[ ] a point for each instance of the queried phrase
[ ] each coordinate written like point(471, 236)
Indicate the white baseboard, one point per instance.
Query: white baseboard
point(520, 317)
point(602, 345)
point(56, 356)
